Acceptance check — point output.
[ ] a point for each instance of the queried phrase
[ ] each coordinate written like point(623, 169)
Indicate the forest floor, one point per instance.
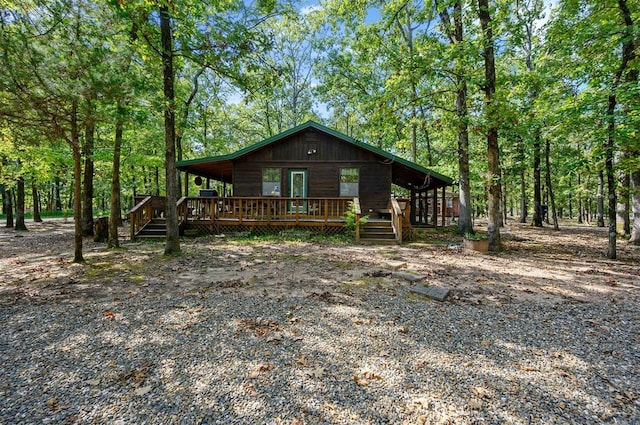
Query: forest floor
point(537, 265)
point(307, 331)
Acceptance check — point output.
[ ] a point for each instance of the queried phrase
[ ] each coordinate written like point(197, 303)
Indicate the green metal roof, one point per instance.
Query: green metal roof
point(185, 165)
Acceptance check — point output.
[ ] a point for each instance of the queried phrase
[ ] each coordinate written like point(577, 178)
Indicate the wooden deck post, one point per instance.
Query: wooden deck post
point(443, 210)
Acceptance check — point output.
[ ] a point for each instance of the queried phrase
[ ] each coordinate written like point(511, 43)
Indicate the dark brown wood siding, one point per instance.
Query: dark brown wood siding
point(322, 155)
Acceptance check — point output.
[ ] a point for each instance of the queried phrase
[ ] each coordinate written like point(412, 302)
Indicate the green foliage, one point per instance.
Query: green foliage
point(350, 217)
point(475, 236)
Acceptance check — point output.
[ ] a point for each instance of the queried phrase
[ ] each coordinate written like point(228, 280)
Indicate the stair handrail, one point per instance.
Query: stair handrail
point(396, 219)
point(358, 212)
point(181, 207)
point(140, 215)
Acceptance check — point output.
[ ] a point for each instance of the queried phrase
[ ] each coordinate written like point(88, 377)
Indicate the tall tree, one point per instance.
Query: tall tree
point(455, 34)
point(493, 151)
point(172, 245)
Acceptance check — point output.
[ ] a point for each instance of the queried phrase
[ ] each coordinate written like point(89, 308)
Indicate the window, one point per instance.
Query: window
point(349, 181)
point(271, 181)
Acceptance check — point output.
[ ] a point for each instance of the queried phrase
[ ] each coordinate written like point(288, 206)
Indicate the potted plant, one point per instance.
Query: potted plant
point(476, 242)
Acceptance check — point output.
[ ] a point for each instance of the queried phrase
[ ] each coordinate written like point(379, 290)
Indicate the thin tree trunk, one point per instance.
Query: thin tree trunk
point(3, 195)
point(611, 185)
point(114, 213)
point(77, 184)
point(622, 208)
point(172, 246)
point(523, 185)
point(493, 152)
point(552, 199)
point(600, 203)
point(87, 151)
point(36, 201)
point(537, 192)
point(57, 195)
point(9, 207)
point(20, 225)
point(580, 215)
point(635, 207)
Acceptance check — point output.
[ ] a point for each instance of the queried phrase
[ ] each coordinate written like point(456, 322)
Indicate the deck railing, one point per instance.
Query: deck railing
point(265, 209)
point(141, 215)
point(396, 219)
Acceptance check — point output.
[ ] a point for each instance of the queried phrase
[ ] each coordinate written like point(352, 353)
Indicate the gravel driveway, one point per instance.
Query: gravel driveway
point(379, 359)
point(361, 350)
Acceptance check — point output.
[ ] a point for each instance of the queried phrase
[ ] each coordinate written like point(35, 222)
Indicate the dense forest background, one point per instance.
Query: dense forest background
point(525, 103)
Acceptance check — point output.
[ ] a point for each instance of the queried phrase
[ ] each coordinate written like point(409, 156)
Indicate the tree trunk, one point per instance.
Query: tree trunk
point(87, 151)
point(58, 198)
point(20, 225)
point(580, 215)
point(3, 195)
point(523, 185)
point(114, 212)
point(493, 152)
point(600, 203)
point(9, 207)
point(537, 192)
point(630, 54)
point(622, 208)
point(77, 184)
point(611, 184)
point(455, 33)
point(635, 207)
point(172, 246)
point(552, 199)
point(465, 224)
point(36, 201)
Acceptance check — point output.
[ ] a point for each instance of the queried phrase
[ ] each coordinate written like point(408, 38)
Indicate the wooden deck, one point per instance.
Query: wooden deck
point(260, 215)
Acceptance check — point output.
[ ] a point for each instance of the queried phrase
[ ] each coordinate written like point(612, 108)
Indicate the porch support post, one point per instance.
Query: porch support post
point(186, 184)
point(412, 207)
point(434, 206)
point(444, 205)
point(208, 183)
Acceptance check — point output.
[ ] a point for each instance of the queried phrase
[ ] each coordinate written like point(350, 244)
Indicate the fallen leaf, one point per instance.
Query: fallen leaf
point(528, 369)
point(361, 381)
point(264, 367)
point(142, 390)
point(481, 392)
point(302, 360)
point(51, 402)
point(317, 373)
point(275, 337)
point(475, 404)
point(403, 329)
point(371, 375)
point(93, 382)
point(108, 314)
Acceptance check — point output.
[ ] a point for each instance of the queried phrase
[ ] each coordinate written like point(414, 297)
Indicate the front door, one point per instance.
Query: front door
point(298, 189)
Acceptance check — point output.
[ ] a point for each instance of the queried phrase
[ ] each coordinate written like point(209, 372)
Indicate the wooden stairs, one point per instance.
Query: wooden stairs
point(155, 229)
point(378, 232)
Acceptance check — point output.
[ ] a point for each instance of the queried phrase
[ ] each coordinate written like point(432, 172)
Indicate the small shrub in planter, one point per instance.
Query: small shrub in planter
point(476, 242)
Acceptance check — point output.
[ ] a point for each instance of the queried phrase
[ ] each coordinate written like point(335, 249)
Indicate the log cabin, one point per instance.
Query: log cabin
point(309, 177)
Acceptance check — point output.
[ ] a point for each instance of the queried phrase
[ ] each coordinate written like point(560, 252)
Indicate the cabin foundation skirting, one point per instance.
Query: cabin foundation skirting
point(194, 229)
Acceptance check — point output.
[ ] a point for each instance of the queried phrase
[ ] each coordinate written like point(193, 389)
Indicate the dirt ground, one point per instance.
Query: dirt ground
point(536, 266)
